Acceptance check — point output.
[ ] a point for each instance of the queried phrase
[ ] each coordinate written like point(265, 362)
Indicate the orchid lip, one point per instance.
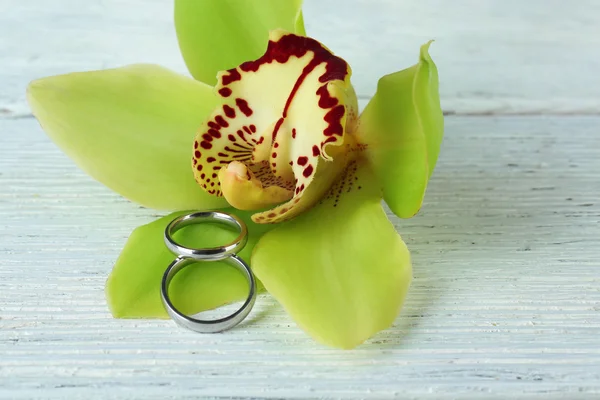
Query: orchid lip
point(280, 115)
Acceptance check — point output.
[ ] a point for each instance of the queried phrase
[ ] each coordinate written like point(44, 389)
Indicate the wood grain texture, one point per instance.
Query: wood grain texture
point(495, 56)
point(505, 301)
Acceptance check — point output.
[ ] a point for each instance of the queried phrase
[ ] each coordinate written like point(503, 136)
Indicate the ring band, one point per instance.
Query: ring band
point(211, 253)
point(208, 326)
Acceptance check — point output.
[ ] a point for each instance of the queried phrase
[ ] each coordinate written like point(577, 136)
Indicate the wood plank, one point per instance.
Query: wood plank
point(510, 57)
point(505, 302)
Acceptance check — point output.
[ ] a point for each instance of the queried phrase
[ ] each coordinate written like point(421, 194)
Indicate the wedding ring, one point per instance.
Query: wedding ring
point(210, 253)
point(208, 326)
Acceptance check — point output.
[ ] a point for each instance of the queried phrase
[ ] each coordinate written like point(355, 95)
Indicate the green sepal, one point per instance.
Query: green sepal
point(402, 128)
point(340, 269)
point(133, 287)
point(131, 128)
point(216, 35)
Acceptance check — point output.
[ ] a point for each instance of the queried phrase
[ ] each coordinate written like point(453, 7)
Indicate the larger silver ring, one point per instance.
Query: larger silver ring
point(210, 253)
point(208, 326)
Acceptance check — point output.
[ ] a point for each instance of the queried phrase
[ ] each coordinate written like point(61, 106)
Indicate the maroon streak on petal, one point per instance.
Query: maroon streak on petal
point(334, 119)
point(277, 126)
point(297, 46)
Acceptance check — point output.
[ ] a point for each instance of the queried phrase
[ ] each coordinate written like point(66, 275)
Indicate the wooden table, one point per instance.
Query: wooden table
point(506, 297)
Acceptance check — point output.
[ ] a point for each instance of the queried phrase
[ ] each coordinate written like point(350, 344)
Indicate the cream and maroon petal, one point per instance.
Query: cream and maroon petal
point(286, 110)
point(282, 113)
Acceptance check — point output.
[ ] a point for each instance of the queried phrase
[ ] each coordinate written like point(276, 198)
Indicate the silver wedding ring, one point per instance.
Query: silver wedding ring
point(215, 325)
point(188, 256)
point(211, 253)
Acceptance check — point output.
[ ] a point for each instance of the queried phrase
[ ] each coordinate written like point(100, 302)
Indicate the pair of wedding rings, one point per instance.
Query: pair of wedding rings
point(187, 256)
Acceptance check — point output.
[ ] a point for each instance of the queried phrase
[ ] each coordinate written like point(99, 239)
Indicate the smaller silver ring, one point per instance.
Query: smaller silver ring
point(208, 326)
point(209, 253)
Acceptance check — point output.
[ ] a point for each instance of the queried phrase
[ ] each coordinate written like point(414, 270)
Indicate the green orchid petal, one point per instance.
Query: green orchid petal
point(216, 35)
point(340, 269)
point(130, 128)
point(402, 128)
point(133, 287)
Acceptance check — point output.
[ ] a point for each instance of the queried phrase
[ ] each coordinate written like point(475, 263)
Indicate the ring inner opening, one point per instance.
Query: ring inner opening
point(215, 287)
point(206, 234)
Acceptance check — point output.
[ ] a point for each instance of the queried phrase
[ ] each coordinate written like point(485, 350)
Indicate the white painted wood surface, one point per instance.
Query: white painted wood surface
point(505, 301)
point(506, 297)
point(500, 56)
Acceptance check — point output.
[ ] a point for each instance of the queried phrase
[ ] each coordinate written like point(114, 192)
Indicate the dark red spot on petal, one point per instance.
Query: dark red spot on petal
point(243, 106)
point(213, 125)
point(272, 215)
point(195, 144)
point(229, 112)
point(199, 167)
point(202, 176)
point(221, 121)
point(232, 76)
point(274, 155)
point(214, 175)
point(308, 171)
point(197, 154)
point(302, 160)
point(231, 138)
point(294, 133)
point(225, 92)
point(211, 159)
point(276, 145)
point(206, 145)
point(253, 128)
point(207, 137)
point(316, 150)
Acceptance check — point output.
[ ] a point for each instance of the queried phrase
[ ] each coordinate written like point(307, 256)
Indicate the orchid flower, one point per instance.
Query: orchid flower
point(272, 127)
